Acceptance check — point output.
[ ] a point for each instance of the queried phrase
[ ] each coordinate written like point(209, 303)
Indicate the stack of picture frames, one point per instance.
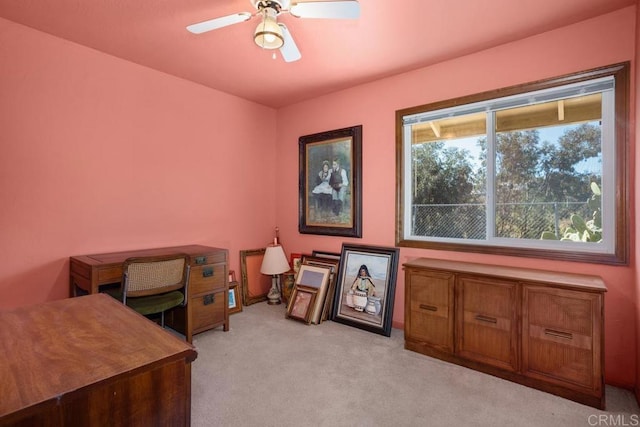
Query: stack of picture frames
point(355, 287)
point(314, 287)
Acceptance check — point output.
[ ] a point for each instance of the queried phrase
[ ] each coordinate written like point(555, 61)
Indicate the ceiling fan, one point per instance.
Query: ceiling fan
point(270, 34)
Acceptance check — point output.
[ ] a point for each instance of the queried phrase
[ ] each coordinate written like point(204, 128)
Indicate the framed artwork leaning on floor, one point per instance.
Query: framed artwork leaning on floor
point(255, 285)
point(235, 298)
point(302, 302)
point(366, 286)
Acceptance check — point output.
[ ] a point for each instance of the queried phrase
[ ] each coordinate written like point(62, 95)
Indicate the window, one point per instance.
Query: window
point(536, 170)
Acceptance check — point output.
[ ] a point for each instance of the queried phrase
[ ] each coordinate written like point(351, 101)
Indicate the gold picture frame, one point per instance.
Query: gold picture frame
point(255, 285)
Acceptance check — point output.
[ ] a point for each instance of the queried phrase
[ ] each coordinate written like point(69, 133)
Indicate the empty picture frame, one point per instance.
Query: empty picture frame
point(302, 303)
point(255, 285)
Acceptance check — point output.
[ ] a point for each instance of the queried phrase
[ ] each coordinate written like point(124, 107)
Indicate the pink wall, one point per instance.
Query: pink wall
point(99, 154)
point(606, 40)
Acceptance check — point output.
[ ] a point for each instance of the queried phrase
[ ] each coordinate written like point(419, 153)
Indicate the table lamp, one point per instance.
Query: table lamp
point(274, 263)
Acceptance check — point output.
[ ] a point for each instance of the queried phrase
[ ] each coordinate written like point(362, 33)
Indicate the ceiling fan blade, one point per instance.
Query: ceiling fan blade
point(348, 9)
point(223, 21)
point(289, 49)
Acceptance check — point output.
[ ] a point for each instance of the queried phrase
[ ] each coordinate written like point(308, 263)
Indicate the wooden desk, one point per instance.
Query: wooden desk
point(207, 305)
point(91, 361)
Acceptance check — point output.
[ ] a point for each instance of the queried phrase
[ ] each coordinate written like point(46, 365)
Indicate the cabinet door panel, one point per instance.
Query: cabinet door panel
point(563, 310)
point(487, 311)
point(561, 330)
point(560, 362)
point(430, 316)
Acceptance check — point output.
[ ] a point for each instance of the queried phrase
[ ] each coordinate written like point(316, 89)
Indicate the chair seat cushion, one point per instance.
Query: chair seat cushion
point(152, 304)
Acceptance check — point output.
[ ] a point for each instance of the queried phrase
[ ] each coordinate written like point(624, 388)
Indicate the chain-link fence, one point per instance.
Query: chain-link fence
point(512, 220)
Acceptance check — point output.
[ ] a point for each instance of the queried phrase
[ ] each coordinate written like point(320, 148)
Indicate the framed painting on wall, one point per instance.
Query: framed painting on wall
point(330, 183)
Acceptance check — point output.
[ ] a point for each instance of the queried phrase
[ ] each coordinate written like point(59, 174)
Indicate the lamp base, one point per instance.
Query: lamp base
point(273, 301)
point(273, 297)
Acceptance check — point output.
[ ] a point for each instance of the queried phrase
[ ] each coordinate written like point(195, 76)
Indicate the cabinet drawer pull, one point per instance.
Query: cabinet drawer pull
point(201, 260)
point(207, 272)
point(558, 334)
point(428, 307)
point(487, 319)
point(209, 299)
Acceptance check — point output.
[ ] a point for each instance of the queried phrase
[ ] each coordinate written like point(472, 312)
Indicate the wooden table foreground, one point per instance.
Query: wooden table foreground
point(91, 361)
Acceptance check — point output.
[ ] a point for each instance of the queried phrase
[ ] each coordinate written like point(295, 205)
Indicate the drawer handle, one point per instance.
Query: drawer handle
point(201, 260)
point(558, 334)
point(207, 272)
point(487, 319)
point(209, 299)
point(428, 307)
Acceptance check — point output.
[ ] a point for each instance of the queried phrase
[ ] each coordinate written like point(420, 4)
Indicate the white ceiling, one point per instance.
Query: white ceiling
point(390, 37)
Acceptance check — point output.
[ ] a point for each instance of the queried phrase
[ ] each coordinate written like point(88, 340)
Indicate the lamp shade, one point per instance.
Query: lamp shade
point(274, 261)
point(268, 34)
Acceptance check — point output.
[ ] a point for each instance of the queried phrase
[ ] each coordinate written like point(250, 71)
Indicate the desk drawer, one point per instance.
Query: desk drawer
point(208, 258)
point(205, 278)
point(208, 311)
point(110, 274)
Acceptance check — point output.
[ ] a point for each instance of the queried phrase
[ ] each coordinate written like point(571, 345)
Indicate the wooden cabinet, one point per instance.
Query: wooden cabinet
point(538, 328)
point(207, 305)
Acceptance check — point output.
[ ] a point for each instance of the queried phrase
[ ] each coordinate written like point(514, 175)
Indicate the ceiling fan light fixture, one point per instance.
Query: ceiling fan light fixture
point(268, 34)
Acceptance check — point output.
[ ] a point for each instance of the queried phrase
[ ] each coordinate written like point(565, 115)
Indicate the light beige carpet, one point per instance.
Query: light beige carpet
point(271, 371)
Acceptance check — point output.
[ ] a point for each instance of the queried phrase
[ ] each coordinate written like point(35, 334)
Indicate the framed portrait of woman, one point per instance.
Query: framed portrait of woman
point(365, 290)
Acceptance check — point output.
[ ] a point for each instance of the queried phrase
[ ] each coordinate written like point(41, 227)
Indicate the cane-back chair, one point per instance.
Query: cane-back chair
point(152, 285)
